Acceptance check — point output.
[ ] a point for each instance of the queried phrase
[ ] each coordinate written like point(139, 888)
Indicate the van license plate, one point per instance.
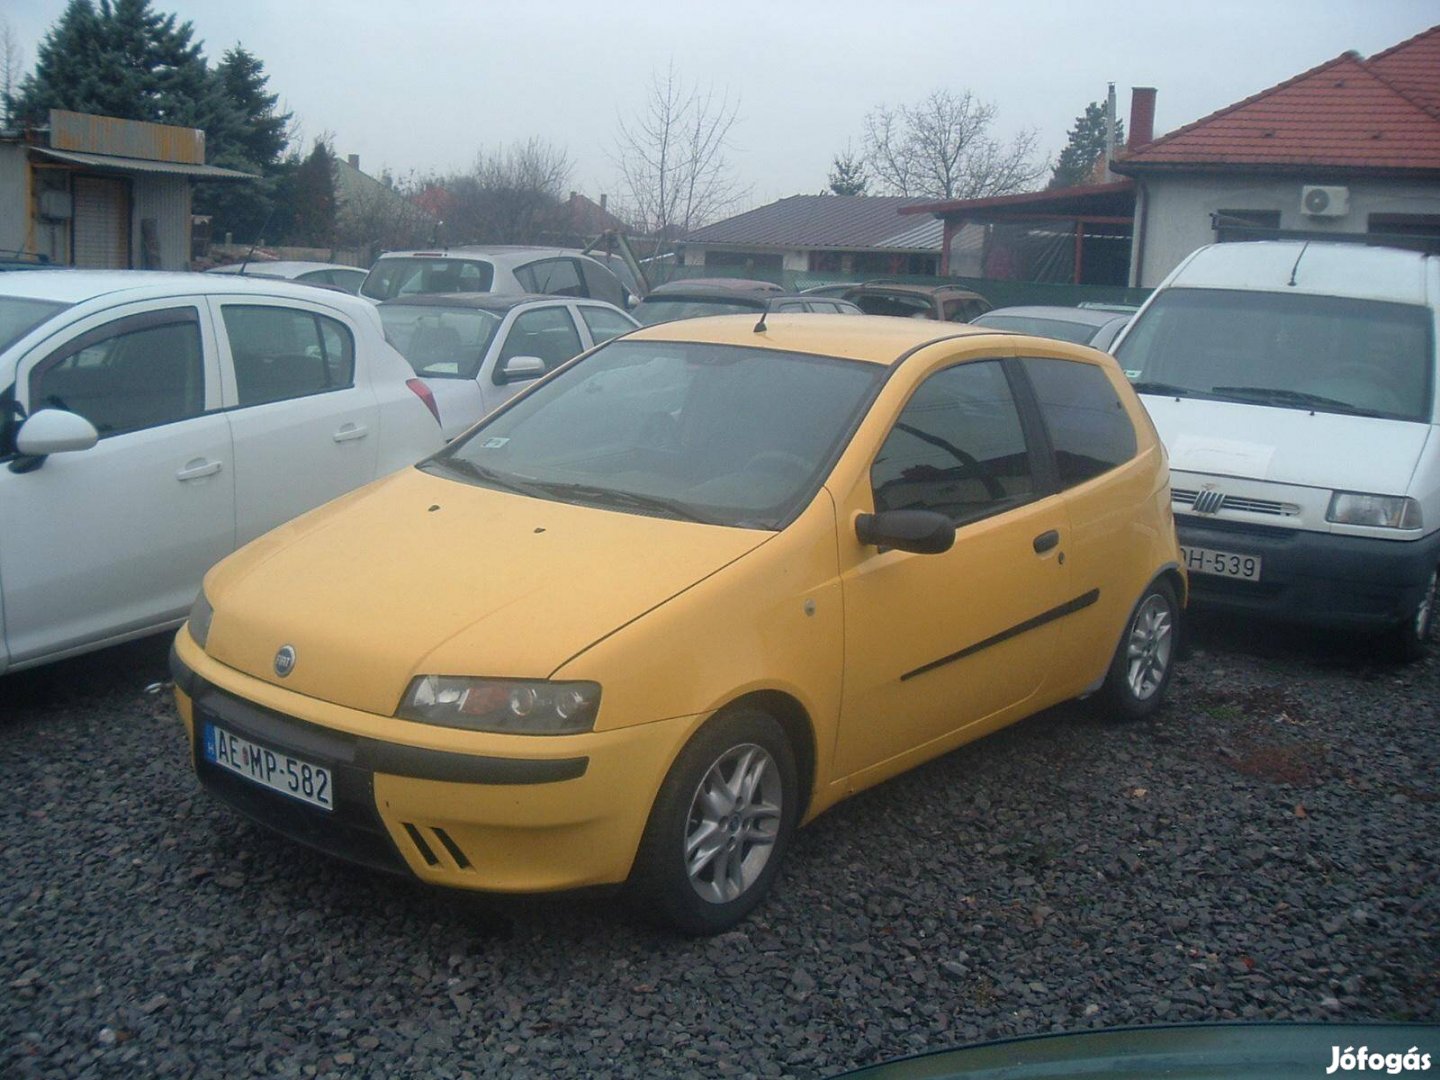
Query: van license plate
point(1221, 563)
point(269, 768)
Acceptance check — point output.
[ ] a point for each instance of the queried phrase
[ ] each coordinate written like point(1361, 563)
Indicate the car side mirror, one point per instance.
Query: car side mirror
point(51, 431)
point(923, 532)
point(521, 368)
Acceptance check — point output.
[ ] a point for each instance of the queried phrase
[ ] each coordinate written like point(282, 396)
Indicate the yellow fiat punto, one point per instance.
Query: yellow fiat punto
point(692, 589)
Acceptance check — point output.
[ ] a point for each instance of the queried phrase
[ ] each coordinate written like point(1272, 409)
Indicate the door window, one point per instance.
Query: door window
point(134, 373)
point(554, 277)
point(958, 448)
point(1089, 428)
point(605, 324)
point(548, 333)
point(282, 353)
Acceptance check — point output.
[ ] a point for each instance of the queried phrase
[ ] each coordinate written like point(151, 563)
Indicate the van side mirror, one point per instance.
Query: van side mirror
point(51, 431)
point(923, 532)
point(521, 368)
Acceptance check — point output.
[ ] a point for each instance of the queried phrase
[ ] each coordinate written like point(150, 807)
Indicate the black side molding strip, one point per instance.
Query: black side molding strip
point(1067, 608)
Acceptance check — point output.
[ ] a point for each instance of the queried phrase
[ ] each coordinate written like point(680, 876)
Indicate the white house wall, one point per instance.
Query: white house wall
point(1173, 214)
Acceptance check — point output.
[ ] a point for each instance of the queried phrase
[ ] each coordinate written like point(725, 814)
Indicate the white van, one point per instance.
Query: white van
point(1294, 384)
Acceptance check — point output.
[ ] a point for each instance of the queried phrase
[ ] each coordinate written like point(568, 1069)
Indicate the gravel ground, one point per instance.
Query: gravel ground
point(1266, 848)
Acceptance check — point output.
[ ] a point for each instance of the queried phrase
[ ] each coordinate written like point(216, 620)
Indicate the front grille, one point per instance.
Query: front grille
point(1238, 528)
point(1212, 502)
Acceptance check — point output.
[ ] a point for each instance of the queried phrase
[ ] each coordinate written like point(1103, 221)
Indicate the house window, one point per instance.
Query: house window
point(1233, 225)
point(1418, 232)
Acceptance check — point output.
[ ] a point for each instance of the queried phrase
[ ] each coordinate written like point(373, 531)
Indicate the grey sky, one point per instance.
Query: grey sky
point(423, 86)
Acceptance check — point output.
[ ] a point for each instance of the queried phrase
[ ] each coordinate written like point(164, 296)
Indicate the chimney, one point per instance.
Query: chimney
point(355, 162)
point(1142, 117)
point(1109, 131)
point(604, 201)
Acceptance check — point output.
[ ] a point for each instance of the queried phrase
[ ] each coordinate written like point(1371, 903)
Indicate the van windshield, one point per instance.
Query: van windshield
point(1290, 350)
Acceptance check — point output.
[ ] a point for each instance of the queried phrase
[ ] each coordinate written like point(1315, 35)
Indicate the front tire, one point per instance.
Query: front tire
point(720, 825)
point(1145, 659)
point(1411, 639)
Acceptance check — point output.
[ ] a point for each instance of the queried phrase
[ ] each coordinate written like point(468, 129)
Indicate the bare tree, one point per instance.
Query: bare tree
point(12, 65)
point(941, 148)
point(509, 196)
point(381, 215)
point(671, 156)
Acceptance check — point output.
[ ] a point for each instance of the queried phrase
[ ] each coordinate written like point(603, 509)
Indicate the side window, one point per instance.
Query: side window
point(137, 372)
point(1088, 425)
point(601, 283)
point(282, 353)
point(605, 324)
point(958, 448)
point(555, 277)
point(548, 333)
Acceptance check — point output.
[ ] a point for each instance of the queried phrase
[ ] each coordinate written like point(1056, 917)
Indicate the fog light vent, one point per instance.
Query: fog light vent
point(430, 840)
point(421, 846)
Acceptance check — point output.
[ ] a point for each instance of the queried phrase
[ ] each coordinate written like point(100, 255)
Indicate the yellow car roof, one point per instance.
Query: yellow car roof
point(878, 339)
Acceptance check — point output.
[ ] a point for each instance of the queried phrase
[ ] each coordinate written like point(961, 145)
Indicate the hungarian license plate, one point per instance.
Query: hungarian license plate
point(269, 768)
point(1221, 563)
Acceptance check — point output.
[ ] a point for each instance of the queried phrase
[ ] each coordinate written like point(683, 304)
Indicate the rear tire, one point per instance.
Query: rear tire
point(1140, 671)
point(720, 825)
point(1411, 639)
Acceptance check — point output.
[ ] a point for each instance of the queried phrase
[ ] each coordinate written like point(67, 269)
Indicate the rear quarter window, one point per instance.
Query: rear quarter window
point(1089, 429)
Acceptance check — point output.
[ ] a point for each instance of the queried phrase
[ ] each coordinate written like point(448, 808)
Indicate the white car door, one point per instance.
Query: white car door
point(305, 429)
point(548, 332)
point(108, 543)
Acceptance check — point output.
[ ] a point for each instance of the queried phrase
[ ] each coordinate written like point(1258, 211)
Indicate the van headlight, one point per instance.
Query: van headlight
point(1381, 511)
point(508, 706)
point(200, 615)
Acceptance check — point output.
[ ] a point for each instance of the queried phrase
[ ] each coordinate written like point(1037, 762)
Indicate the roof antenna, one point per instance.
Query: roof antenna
point(246, 261)
point(1296, 267)
point(760, 326)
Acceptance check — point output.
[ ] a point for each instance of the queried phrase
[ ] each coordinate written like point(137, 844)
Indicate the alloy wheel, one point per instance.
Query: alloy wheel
point(733, 823)
point(1151, 643)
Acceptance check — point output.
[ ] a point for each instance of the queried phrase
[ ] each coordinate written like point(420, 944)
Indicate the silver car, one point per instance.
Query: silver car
point(507, 270)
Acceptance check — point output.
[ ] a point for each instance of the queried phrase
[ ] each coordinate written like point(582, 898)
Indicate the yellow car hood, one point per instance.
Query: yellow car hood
point(422, 575)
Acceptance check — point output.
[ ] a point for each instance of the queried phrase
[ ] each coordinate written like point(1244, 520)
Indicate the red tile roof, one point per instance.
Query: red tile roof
point(1349, 113)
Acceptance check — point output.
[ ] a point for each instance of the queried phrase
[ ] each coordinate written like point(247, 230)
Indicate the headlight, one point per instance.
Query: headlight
point(1383, 511)
point(511, 706)
point(200, 615)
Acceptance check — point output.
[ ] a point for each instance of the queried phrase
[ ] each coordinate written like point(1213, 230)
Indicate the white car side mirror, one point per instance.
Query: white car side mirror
point(55, 431)
point(520, 368)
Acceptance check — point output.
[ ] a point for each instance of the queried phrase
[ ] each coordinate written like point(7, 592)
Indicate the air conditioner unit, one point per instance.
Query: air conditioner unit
point(1318, 201)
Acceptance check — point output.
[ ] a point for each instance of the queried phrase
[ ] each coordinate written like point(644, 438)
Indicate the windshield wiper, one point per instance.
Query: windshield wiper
point(634, 500)
point(1166, 389)
point(481, 473)
point(1274, 395)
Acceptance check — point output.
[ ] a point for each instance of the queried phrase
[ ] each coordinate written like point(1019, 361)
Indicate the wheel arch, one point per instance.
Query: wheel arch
point(795, 721)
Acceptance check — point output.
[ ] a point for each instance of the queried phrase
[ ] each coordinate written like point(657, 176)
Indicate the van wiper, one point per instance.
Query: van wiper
point(1165, 389)
point(1297, 399)
point(633, 500)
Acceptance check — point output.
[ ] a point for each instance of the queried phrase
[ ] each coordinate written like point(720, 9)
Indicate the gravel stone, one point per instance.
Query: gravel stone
point(1267, 848)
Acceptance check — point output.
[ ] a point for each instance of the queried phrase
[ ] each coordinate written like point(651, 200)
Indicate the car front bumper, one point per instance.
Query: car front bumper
point(500, 813)
point(1341, 582)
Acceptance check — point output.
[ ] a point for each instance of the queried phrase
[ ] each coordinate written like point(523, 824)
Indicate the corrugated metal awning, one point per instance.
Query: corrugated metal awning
point(127, 164)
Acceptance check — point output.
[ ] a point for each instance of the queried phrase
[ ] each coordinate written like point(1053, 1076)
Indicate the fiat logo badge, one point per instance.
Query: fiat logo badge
point(285, 660)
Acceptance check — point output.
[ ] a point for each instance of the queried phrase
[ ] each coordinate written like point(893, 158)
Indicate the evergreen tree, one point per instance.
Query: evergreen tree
point(847, 174)
point(122, 59)
point(309, 195)
point(1085, 148)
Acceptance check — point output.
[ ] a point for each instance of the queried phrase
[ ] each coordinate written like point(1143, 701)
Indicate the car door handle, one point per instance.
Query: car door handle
point(194, 470)
point(1046, 540)
point(351, 432)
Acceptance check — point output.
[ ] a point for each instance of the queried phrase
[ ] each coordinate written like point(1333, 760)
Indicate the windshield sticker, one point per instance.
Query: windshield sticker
point(1133, 375)
point(494, 443)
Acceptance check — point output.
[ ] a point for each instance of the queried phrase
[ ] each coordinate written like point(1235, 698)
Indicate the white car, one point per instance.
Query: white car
point(478, 350)
point(151, 423)
point(335, 275)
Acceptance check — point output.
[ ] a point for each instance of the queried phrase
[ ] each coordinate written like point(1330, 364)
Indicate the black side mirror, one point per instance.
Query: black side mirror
point(923, 532)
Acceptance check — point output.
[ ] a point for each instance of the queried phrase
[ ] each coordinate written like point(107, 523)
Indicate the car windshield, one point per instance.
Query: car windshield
point(661, 310)
point(406, 276)
point(1079, 333)
point(715, 433)
point(441, 342)
point(1300, 351)
point(21, 314)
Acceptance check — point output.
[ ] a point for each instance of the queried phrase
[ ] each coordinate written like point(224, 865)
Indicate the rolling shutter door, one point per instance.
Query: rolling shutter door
point(102, 223)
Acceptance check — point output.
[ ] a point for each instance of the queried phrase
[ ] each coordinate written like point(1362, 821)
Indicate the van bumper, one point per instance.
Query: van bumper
point(1340, 582)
